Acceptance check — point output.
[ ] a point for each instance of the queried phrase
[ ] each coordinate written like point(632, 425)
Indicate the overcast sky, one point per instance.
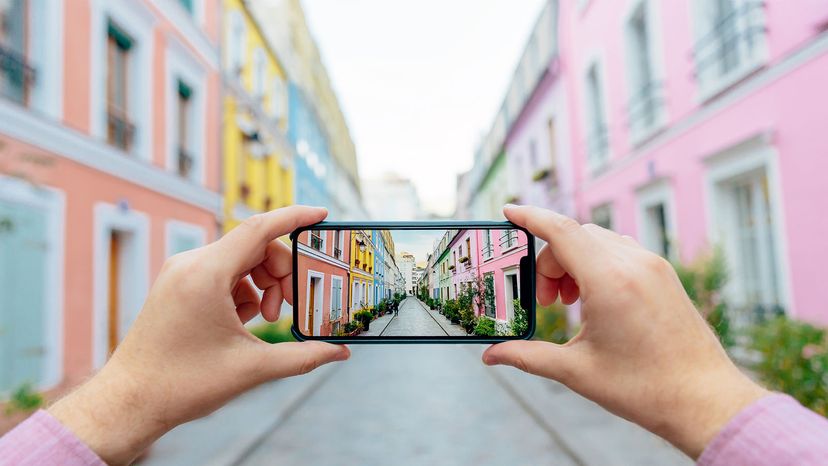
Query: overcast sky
point(420, 82)
point(420, 243)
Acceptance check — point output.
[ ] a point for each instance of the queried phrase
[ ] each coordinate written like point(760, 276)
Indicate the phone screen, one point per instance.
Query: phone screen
point(414, 282)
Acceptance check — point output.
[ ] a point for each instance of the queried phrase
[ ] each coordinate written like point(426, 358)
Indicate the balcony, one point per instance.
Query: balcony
point(338, 253)
point(185, 162)
point(16, 76)
point(508, 239)
point(488, 251)
point(644, 109)
point(120, 131)
point(730, 49)
point(316, 241)
point(598, 146)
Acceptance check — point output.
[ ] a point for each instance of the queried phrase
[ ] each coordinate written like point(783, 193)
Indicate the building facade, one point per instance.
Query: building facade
point(258, 172)
point(324, 286)
point(362, 271)
point(109, 163)
point(378, 240)
point(691, 132)
point(406, 264)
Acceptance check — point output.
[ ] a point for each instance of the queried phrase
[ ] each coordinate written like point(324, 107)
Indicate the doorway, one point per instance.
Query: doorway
point(314, 311)
point(512, 292)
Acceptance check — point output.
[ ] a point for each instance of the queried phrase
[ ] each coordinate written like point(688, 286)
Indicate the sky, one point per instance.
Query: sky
point(420, 82)
point(417, 242)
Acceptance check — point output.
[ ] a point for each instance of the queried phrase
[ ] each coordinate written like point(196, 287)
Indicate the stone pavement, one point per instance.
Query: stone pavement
point(413, 405)
point(453, 330)
point(378, 325)
point(413, 321)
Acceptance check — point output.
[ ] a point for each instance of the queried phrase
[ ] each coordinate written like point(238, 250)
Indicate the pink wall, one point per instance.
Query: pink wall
point(500, 261)
point(777, 102)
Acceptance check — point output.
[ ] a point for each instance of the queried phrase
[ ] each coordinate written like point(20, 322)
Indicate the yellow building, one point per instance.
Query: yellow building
point(257, 164)
point(362, 271)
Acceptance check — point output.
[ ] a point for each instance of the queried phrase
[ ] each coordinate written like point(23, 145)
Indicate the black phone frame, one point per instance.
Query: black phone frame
point(526, 278)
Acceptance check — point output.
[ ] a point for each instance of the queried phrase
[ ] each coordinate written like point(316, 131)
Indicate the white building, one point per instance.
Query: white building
point(391, 198)
point(406, 264)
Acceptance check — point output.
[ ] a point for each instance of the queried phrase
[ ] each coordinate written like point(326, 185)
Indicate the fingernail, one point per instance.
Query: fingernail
point(343, 354)
point(489, 360)
point(510, 206)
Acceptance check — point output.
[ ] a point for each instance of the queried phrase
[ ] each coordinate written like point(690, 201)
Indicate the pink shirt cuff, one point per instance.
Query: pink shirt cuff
point(42, 439)
point(776, 430)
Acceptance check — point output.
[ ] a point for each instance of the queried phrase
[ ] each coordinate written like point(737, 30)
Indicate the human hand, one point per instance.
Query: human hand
point(188, 352)
point(643, 351)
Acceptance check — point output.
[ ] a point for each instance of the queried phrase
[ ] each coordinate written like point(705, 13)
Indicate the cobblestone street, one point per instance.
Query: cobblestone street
point(412, 405)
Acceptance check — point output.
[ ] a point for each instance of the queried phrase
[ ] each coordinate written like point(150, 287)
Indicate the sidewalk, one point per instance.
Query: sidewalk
point(378, 325)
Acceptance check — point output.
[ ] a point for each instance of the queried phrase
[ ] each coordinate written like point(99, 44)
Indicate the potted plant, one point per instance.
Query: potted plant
point(464, 259)
point(364, 317)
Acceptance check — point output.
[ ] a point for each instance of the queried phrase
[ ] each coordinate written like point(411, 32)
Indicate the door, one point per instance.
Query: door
point(312, 302)
point(114, 279)
point(24, 248)
point(512, 293)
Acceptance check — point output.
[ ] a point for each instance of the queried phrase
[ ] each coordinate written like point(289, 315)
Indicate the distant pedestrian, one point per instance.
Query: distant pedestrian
point(396, 309)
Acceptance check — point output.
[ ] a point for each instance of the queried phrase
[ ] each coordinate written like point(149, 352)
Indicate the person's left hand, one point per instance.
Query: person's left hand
point(188, 352)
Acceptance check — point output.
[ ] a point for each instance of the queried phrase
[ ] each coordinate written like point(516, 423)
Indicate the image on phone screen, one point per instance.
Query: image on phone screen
point(415, 283)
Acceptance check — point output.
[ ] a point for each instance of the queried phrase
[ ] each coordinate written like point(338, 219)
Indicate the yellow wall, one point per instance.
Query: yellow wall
point(266, 178)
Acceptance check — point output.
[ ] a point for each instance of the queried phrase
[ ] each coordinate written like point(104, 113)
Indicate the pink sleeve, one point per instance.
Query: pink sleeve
point(775, 430)
point(41, 439)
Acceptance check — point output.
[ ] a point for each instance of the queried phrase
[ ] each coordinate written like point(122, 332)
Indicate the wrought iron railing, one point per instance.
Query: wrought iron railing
point(120, 132)
point(488, 250)
point(337, 253)
point(508, 239)
point(722, 46)
point(16, 75)
point(316, 241)
point(185, 162)
point(644, 106)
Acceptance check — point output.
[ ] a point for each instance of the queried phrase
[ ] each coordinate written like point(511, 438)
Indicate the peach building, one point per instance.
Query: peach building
point(109, 163)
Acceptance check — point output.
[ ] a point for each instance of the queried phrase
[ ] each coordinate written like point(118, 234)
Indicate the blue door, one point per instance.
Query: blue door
point(23, 254)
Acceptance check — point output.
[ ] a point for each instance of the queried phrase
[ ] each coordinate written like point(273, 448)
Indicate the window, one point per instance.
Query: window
point(645, 92)
point(183, 237)
point(316, 240)
point(238, 44)
point(337, 242)
point(508, 239)
point(602, 216)
point(656, 229)
point(729, 39)
point(488, 249)
point(16, 74)
point(468, 248)
point(277, 98)
point(120, 131)
point(597, 139)
point(185, 157)
point(336, 298)
point(259, 72)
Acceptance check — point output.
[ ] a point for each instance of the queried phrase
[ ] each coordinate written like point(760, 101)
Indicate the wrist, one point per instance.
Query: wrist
point(111, 415)
point(704, 409)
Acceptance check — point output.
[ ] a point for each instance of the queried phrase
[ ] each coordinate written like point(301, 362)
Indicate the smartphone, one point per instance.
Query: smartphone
point(413, 282)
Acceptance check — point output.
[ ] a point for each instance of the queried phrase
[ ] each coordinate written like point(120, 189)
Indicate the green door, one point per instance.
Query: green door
point(23, 250)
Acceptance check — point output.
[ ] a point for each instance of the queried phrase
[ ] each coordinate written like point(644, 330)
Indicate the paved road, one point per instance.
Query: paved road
point(412, 405)
point(413, 321)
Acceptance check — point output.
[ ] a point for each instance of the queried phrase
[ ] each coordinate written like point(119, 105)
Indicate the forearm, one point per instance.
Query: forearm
point(109, 414)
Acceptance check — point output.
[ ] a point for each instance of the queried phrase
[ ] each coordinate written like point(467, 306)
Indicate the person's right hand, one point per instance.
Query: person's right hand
point(643, 351)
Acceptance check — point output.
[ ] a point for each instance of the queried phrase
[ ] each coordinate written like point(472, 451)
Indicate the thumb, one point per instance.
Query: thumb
point(541, 358)
point(295, 358)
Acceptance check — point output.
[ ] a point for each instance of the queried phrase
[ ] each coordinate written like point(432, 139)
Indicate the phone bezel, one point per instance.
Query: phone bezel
point(526, 277)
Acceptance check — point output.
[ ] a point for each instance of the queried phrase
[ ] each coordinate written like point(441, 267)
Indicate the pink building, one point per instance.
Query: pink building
point(109, 163)
point(690, 127)
point(499, 254)
point(324, 258)
point(463, 256)
point(702, 128)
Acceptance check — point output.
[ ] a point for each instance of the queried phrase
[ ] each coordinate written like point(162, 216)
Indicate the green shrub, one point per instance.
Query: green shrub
point(703, 281)
point(519, 324)
point(551, 323)
point(485, 327)
point(364, 317)
point(24, 399)
point(275, 332)
point(451, 309)
point(794, 360)
point(350, 327)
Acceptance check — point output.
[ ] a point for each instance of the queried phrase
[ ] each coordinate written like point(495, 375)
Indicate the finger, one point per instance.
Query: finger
point(272, 303)
point(541, 358)
point(569, 290)
point(287, 288)
point(246, 299)
point(547, 264)
point(571, 245)
point(244, 247)
point(294, 358)
point(547, 291)
point(278, 260)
